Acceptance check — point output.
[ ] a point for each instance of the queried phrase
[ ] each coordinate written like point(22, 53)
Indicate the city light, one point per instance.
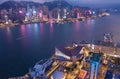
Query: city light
point(27, 14)
point(5, 16)
point(40, 14)
point(93, 12)
point(90, 11)
point(34, 12)
point(20, 11)
point(78, 14)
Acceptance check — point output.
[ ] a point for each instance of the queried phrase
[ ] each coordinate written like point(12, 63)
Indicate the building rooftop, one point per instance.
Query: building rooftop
point(58, 75)
point(82, 74)
point(70, 51)
point(95, 57)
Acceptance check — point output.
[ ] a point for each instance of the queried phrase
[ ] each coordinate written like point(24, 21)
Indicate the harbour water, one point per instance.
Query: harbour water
point(22, 46)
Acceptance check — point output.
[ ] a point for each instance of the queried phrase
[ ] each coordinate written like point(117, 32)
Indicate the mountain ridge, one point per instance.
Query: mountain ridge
point(19, 4)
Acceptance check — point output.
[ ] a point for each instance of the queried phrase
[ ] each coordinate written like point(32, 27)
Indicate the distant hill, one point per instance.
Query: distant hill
point(54, 4)
point(51, 5)
point(13, 4)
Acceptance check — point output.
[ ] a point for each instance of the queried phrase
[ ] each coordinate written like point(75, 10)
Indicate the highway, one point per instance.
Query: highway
point(52, 70)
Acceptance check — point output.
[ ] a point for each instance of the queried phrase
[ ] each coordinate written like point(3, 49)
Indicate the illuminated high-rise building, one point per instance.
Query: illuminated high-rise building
point(65, 13)
point(45, 12)
point(58, 18)
point(78, 15)
point(59, 10)
point(95, 64)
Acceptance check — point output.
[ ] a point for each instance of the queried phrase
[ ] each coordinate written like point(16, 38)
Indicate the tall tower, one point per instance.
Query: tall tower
point(65, 13)
point(95, 63)
point(59, 10)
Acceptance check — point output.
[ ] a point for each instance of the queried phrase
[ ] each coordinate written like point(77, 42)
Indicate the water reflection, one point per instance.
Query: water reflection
point(36, 32)
point(9, 34)
point(77, 26)
point(36, 28)
point(51, 27)
point(29, 29)
point(88, 24)
point(23, 30)
point(41, 28)
point(51, 31)
point(93, 21)
point(23, 37)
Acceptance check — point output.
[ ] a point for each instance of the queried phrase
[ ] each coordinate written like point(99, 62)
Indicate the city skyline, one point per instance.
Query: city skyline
point(60, 39)
point(87, 3)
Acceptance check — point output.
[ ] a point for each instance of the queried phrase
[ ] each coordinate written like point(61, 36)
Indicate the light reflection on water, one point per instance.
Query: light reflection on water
point(9, 34)
point(22, 46)
point(23, 36)
point(51, 27)
point(41, 28)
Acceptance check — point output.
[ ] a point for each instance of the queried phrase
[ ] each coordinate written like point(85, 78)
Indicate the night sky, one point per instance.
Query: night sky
point(88, 3)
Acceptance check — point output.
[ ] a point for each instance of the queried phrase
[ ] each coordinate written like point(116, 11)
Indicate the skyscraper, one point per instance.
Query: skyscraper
point(59, 10)
point(95, 63)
